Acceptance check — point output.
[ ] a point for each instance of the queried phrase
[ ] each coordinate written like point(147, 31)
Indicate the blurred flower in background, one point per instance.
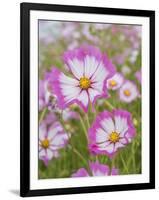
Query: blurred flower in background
point(51, 139)
point(115, 82)
point(128, 92)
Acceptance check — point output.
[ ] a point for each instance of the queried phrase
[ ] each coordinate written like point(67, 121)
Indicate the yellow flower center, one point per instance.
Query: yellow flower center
point(114, 137)
point(127, 93)
point(45, 143)
point(84, 83)
point(112, 83)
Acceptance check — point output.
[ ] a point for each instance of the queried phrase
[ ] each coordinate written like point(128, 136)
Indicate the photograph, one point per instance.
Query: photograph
point(89, 99)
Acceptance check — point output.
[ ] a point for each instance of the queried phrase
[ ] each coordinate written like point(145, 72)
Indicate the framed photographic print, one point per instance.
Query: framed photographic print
point(87, 99)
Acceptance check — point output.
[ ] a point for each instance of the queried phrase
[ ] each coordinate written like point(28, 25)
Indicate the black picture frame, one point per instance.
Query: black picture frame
point(25, 9)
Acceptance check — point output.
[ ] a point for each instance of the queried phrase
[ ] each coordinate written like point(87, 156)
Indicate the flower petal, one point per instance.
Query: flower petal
point(54, 130)
point(60, 140)
point(108, 125)
point(42, 131)
point(100, 74)
point(64, 87)
point(101, 135)
point(66, 80)
point(92, 94)
point(121, 125)
point(76, 67)
point(70, 93)
point(118, 145)
point(114, 171)
point(124, 118)
point(123, 140)
point(99, 169)
point(80, 173)
point(83, 99)
point(90, 64)
point(110, 148)
point(42, 153)
point(49, 154)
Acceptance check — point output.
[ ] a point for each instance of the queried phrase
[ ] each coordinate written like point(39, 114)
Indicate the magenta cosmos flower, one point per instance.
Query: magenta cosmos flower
point(128, 92)
point(51, 139)
point(115, 82)
point(111, 131)
point(89, 71)
point(96, 169)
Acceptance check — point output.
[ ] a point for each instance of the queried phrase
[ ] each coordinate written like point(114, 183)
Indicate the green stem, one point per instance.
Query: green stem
point(113, 162)
point(73, 148)
point(133, 157)
point(97, 159)
point(124, 164)
point(109, 105)
point(42, 115)
point(84, 127)
point(87, 120)
point(82, 158)
point(79, 154)
point(95, 113)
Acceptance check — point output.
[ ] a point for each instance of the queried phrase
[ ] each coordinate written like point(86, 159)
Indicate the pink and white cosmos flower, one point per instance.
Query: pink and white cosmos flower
point(110, 132)
point(89, 71)
point(128, 92)
point(115, 82)
point(51, 139)
point(96, 169)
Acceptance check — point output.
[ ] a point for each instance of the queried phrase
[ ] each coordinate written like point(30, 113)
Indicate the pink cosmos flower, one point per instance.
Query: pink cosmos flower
point(51, 139)
point(115, 82)
point(138, 75)
point(89, 71)
point(110, 132)
point(97, 169)
point(128, 92)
